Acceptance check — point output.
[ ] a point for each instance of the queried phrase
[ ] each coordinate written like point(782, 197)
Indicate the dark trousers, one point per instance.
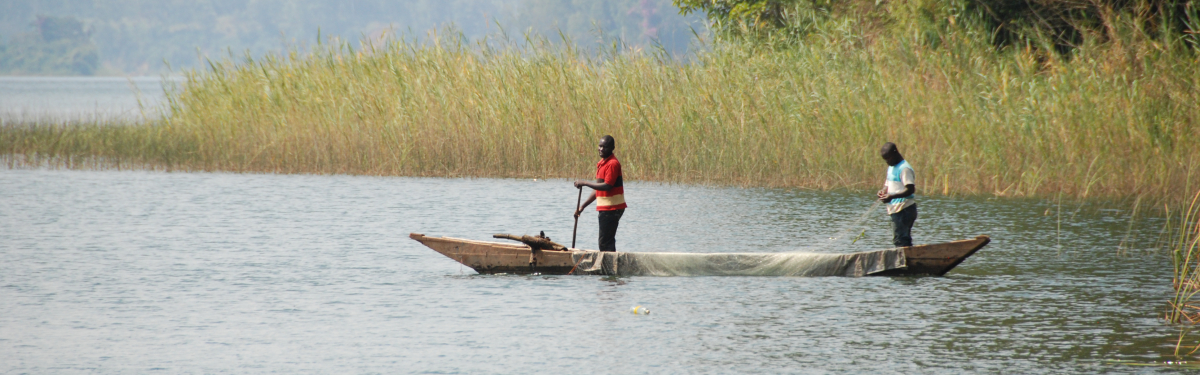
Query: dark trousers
point(902, 223)
point(608, 229)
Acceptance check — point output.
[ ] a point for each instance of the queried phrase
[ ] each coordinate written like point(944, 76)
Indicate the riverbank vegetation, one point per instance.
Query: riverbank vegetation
point(1184, 309)
point(1115, 116)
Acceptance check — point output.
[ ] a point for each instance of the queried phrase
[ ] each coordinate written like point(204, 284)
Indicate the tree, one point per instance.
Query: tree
point(57, 45)
point(733, 15)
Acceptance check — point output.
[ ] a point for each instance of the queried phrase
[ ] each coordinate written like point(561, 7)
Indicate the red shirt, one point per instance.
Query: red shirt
point(609, 169)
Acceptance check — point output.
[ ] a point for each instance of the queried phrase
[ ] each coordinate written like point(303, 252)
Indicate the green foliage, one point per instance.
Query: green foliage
point(1060, 25)
point(1065, 23)
point(57, 46)
point(760, 17)
point(744, 13)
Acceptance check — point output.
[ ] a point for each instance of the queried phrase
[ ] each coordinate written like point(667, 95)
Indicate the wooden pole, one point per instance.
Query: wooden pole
point(576, 230)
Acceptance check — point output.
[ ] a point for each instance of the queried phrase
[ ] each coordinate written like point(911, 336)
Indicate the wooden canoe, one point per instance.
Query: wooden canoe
point(487, 257)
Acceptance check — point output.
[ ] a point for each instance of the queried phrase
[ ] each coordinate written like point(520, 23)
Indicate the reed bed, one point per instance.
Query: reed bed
point(1185, 256)
point(1118, 119)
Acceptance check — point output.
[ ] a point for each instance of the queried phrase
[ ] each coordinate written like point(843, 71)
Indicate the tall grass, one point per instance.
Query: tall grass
point(1185, 257)
point(1117, 119)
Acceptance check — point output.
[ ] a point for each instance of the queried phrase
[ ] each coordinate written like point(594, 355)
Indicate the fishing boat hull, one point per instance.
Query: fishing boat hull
point(937, 259)
point(487, 257)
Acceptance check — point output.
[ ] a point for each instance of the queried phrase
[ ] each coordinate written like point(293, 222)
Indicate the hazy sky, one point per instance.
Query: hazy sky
point(137, 36)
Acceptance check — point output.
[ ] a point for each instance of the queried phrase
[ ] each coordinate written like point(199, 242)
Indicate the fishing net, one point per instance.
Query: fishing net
point(737, 264)
point(745, 264)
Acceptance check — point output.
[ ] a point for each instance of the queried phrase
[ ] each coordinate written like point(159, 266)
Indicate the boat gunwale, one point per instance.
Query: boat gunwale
point(917, 265)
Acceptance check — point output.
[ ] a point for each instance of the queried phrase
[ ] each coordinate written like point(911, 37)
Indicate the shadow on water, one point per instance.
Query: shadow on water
point(613, 280)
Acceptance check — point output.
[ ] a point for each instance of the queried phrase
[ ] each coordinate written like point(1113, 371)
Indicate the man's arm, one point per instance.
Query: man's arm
point(598, 185)
point(909, 190)
point(591, 198)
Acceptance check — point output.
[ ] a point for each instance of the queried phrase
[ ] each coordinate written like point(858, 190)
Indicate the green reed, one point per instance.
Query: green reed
point(1185, 257)
point(99, 144)
point(1116, 120)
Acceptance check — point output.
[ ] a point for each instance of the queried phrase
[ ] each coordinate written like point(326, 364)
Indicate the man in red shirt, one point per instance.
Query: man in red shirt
point(609, 194)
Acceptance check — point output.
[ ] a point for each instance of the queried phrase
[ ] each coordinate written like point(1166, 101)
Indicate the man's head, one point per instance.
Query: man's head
point(891, 154)
point(607, 144)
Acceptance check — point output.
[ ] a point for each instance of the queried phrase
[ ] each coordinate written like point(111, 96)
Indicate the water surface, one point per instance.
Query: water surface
point(192, 272)
point(80, 98)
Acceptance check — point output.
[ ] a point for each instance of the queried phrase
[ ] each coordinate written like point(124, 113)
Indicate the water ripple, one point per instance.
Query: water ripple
point(193, 272)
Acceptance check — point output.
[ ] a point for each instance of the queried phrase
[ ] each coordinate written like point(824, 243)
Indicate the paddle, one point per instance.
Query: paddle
point(573, 231)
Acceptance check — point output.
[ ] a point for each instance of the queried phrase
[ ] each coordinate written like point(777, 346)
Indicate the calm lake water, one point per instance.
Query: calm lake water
point(79, 98)
point(132, 272)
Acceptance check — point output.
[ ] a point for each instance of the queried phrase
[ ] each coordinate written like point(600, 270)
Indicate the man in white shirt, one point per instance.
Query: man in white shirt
point(898, 191)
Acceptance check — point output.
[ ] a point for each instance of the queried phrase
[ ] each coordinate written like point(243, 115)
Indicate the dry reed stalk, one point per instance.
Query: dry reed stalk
point(1185, 250)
